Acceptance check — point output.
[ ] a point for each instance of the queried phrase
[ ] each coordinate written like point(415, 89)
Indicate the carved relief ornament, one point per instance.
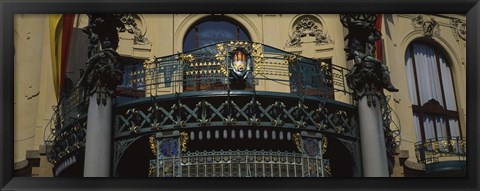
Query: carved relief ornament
point(428, 25)
point(459, 28)
point(308, 26)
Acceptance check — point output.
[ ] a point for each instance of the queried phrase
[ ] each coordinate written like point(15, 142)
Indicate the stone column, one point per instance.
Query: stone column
point(99, 138)
point(101, 77)
point(368, 77)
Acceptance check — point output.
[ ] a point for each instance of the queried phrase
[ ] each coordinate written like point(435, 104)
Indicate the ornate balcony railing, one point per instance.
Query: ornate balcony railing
point(441, 149)
point(196, 89)
point(267, 68)
point(241, 164)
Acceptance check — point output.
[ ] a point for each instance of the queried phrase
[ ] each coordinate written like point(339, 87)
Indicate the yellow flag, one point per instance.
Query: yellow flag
point(56, 22)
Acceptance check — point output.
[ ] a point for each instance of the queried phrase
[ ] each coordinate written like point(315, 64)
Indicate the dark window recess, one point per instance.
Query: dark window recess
point(212, 31)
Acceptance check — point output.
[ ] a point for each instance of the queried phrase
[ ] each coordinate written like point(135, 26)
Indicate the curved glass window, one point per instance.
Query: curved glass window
point(212, 31)
point(431, 91)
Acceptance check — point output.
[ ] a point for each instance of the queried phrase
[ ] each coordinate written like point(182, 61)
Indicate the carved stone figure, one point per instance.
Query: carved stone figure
point(103, 70)
point(428, 25)
point(369, 76)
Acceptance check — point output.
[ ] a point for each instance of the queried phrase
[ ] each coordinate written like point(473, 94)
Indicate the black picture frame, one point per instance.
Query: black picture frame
point(10, 7)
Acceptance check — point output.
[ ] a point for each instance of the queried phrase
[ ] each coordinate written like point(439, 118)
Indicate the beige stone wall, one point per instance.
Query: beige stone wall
point(398, 33)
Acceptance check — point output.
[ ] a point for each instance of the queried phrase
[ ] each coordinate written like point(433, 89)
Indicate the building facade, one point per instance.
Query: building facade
point(245, 95)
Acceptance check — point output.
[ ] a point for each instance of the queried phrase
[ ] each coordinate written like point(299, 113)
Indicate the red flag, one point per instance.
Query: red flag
point(378, 44)
point(66, 40)
point(61, 28)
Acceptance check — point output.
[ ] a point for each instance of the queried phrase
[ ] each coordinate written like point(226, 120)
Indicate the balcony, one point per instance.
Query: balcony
point(193, 91)
point(442, 156)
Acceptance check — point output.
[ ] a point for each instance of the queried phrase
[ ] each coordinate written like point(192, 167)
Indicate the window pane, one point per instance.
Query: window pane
point(448, 85)
point(189, 41)
point(211, 32)
point(441, 132)
point(428, 123)
point(427, 73)
point(454, 127)
point(411, 79)
point(441, 127)
point(416, 123)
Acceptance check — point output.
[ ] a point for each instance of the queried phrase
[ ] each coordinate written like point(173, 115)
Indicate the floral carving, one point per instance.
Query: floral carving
point(308, 27)
point(459, 28)
point(132, 27)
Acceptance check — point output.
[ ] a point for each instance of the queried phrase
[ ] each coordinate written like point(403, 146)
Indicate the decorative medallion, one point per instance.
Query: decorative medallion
point(459, 28)
point(168, 147)
point(427, 25)
point(134, 25)
point(239, 64)
point(310, 146)
point(308, 26)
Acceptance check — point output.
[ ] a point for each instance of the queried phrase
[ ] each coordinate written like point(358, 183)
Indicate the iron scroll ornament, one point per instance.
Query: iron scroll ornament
point(369, 76)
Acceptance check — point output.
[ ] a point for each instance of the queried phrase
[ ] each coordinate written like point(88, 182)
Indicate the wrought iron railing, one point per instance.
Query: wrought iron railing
point(441, 149)
point(240, 164)
point(205, 69)
point(67, 125)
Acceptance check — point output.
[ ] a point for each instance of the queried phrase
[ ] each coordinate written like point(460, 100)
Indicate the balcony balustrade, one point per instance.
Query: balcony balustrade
point(441, 149)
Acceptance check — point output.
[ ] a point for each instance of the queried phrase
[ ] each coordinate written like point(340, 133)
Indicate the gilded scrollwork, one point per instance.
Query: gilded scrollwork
point(184, 139)
point(153, 144)
point(324, 145)
point(298, 141)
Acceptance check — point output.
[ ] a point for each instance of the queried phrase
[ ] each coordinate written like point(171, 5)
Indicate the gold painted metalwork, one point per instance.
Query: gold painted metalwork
point(184, 138)
point(327, 171)
point(297, 138)
point(153, 144)
point(445, 144)
point(324, 145)
point(221, 52)
point(435, 146)
point(257, 54)
point(152, 171)
point(186, 58)
point(149, 62)
point(324, 66)
point(290, 59)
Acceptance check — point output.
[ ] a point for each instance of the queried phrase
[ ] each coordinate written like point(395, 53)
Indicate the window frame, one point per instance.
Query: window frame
point(433, 107)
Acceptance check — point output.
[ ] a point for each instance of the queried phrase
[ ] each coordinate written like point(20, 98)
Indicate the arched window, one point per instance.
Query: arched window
point(431, 91)
point(213, 30)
